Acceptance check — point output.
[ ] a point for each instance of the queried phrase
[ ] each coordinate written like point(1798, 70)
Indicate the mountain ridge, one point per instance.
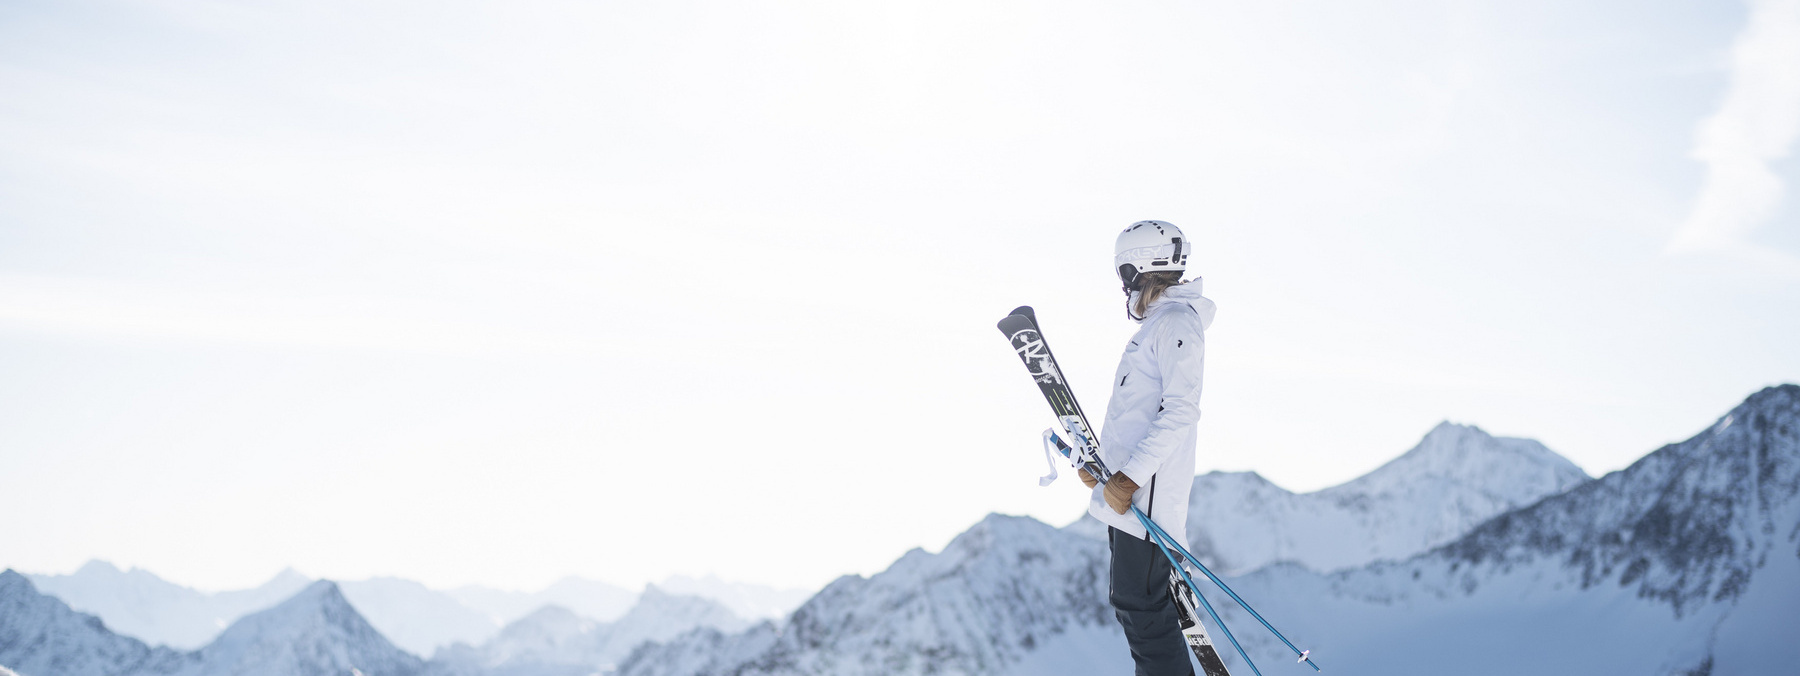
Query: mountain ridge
point(1684, 562)
point(1455, 477)
point(1503, 598)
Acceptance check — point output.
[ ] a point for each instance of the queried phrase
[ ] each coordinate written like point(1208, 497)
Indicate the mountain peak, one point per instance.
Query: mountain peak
point(1775, 399)
point(1783, 395)
point(12, 583)
point(995, 594)
point(1511, 469)
point(1690, 523)
point(549, 621)
point(97, 567)
point(287, 576)
point(315, 631)
point(1456, 477)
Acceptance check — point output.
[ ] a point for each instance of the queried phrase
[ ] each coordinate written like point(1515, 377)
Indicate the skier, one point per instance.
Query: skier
point(1148, 434)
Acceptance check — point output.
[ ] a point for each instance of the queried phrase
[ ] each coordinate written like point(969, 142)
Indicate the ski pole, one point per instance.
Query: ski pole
point(1150, 526)
point(1157, 538)
point(1305, 655)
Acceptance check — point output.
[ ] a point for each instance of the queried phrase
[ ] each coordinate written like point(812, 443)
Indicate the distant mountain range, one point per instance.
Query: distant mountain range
point(314, 632)
point(138, 603)
point(1686, 563)
point(556, 641)
point(421, 620)
point(317, 632)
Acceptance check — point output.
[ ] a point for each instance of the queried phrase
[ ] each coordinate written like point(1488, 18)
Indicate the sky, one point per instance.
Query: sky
point(502, 292)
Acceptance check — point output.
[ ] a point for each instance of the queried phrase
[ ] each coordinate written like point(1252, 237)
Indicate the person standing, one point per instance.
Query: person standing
point(1148, 435)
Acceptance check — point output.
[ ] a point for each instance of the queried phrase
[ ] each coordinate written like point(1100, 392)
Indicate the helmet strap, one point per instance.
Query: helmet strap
point(1130, 301)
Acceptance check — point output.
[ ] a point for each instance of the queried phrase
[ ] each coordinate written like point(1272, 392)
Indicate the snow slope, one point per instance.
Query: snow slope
point(137, 603)
point(995, 594)
point(42, 636)
point(315, 633)
point(1455, 478)
point(1688, 561)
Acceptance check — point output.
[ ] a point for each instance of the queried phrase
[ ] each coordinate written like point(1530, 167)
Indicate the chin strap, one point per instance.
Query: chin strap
point(1131, 300)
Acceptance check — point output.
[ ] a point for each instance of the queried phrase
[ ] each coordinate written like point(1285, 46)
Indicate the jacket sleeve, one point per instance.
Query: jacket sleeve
point(1180, 353)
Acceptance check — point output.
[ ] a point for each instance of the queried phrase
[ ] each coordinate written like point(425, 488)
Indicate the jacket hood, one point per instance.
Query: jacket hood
point(1186, 294)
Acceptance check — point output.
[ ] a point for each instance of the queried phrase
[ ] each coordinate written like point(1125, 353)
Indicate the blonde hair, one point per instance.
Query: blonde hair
point(1151, 286)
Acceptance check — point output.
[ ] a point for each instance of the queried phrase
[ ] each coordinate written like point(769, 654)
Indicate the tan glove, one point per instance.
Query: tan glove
point(1118, 492)
point(1087, 479)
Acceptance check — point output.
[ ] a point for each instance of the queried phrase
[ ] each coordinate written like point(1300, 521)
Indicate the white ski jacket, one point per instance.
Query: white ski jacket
point(1155, 407)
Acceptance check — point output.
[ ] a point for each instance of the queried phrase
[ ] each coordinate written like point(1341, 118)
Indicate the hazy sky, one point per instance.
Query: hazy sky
point(500, 292)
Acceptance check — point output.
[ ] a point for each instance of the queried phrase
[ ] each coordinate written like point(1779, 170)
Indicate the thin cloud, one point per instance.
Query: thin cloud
point(1755, 125)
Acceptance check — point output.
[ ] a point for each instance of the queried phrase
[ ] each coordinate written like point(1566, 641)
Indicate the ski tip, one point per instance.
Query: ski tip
point(1022, 318)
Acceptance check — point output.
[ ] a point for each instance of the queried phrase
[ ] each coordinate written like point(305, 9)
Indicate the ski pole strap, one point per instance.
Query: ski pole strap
point(1304, 655)
point(1157, 537)
point(1050, 455)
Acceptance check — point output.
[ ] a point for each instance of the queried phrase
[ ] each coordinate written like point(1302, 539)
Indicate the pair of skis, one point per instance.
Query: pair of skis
point(1083, 451)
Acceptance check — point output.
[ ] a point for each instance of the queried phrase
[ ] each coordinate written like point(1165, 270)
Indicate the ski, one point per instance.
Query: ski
point(1192, 630)
point(1021, 329)
point(1027, 340)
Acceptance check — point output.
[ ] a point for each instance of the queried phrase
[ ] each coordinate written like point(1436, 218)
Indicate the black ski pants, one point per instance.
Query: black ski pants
point(1139, 591)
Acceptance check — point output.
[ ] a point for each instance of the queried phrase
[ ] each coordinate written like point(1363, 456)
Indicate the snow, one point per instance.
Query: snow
point(1455, 478)
point(1688, 558)
point(995, 593)
point(315, 632)
point(1686, 562)
point(417, 618)
point(140, 604)
point(42, 636)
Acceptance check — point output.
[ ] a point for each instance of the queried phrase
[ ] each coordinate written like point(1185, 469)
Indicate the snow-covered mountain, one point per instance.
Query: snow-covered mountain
point(317, 632)
point(419, 619)
point(42, 636)
point(314, 633)
point(137, 603)
point(1456, 477)
point(555, 641)
point(1687, 563)
point(988, 602)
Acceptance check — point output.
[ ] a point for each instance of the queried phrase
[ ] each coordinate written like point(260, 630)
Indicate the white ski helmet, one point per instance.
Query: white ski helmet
point(1149, 246)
